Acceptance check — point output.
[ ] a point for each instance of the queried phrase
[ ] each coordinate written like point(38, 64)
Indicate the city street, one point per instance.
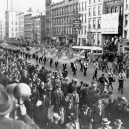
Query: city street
point(88, 78)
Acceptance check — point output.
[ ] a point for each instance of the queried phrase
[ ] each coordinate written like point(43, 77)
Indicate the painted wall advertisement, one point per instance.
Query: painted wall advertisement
point(110, 23)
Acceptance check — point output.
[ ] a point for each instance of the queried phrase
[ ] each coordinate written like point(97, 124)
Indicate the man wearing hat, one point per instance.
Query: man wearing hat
point(73, 123)
point(118, 124)
point(55, 124)
point(6, 107)
point(105, 124)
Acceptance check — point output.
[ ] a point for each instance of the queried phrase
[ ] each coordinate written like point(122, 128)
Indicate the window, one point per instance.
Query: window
point(79, 7)
point(125, 34)
point(112, 10)
point(82, 29)
point(94, 24)
point(85, 18)
point(89, 25)
point(89, 1)
point(94, 1)
point(82, 6)
point(98, 39)
point(116, 9)
point(94, 11)
point(99, 10)
point(85, 29)
point(99, 23)
point(89, 12)
point(85, 6)
point(126, 20)
point(93, 38)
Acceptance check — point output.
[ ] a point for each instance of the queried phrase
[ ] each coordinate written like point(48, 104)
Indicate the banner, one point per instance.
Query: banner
point(110, 23)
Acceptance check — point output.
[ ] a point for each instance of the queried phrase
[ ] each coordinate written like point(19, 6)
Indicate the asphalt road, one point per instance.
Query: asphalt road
point(88, 78)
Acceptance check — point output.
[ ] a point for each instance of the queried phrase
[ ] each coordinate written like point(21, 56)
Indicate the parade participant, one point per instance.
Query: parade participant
point(85, 67)
point(75, 67)
point(118, 124)
point(95, 73)
point(81, 65)
point(56, 64)
point(105, 124)
point(102, 80)
point(111, 78)
point(51, 61)
point(44, 60)
point(55, 124)
point(121, 81)
point(5, 110)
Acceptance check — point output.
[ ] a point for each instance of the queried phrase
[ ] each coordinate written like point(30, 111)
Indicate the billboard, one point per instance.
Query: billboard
point(109, 23)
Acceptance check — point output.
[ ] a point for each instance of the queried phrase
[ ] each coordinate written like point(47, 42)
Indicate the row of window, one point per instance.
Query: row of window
point(94, 1)
point(68, 9)
point(62, 20)
point(94, 24)
point(62, 30)
point(114, 9)
point(82, 6)
point(96, 39)
point(96, 10)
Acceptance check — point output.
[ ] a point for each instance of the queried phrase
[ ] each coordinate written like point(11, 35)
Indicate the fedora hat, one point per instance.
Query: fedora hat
point(6, 104)
point(118, 122)
point(105, 121)
point(56, 117)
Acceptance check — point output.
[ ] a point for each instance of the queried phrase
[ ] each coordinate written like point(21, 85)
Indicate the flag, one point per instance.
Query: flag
point(59, 54)
point(67, 52)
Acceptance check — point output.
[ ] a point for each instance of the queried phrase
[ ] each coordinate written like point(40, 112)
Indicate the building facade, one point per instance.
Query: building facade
point(11, 25)
point(27, 26)
point(48, 18)
point(20, 17)
point(2, 30)
point(62, 21)
point(82, 33)
point(38, 29)
point(112, 21)
point(94, 12)
point(126, 20)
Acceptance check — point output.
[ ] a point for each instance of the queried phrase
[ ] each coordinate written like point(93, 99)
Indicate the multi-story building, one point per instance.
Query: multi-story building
point(2, 30)
point(82, 33)
point(48, 18)
point(38, 28)
point(20, 17)
point(112, 20)
point(62, 14)
point(126, 20)
point(11, 25)
point(27, 26)
point(94, 12)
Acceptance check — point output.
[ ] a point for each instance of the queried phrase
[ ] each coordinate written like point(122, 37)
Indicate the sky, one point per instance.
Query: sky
point(24, 5)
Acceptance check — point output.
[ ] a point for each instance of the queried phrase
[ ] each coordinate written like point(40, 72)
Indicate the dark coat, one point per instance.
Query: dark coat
point(7, 123)
point(53, 126)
